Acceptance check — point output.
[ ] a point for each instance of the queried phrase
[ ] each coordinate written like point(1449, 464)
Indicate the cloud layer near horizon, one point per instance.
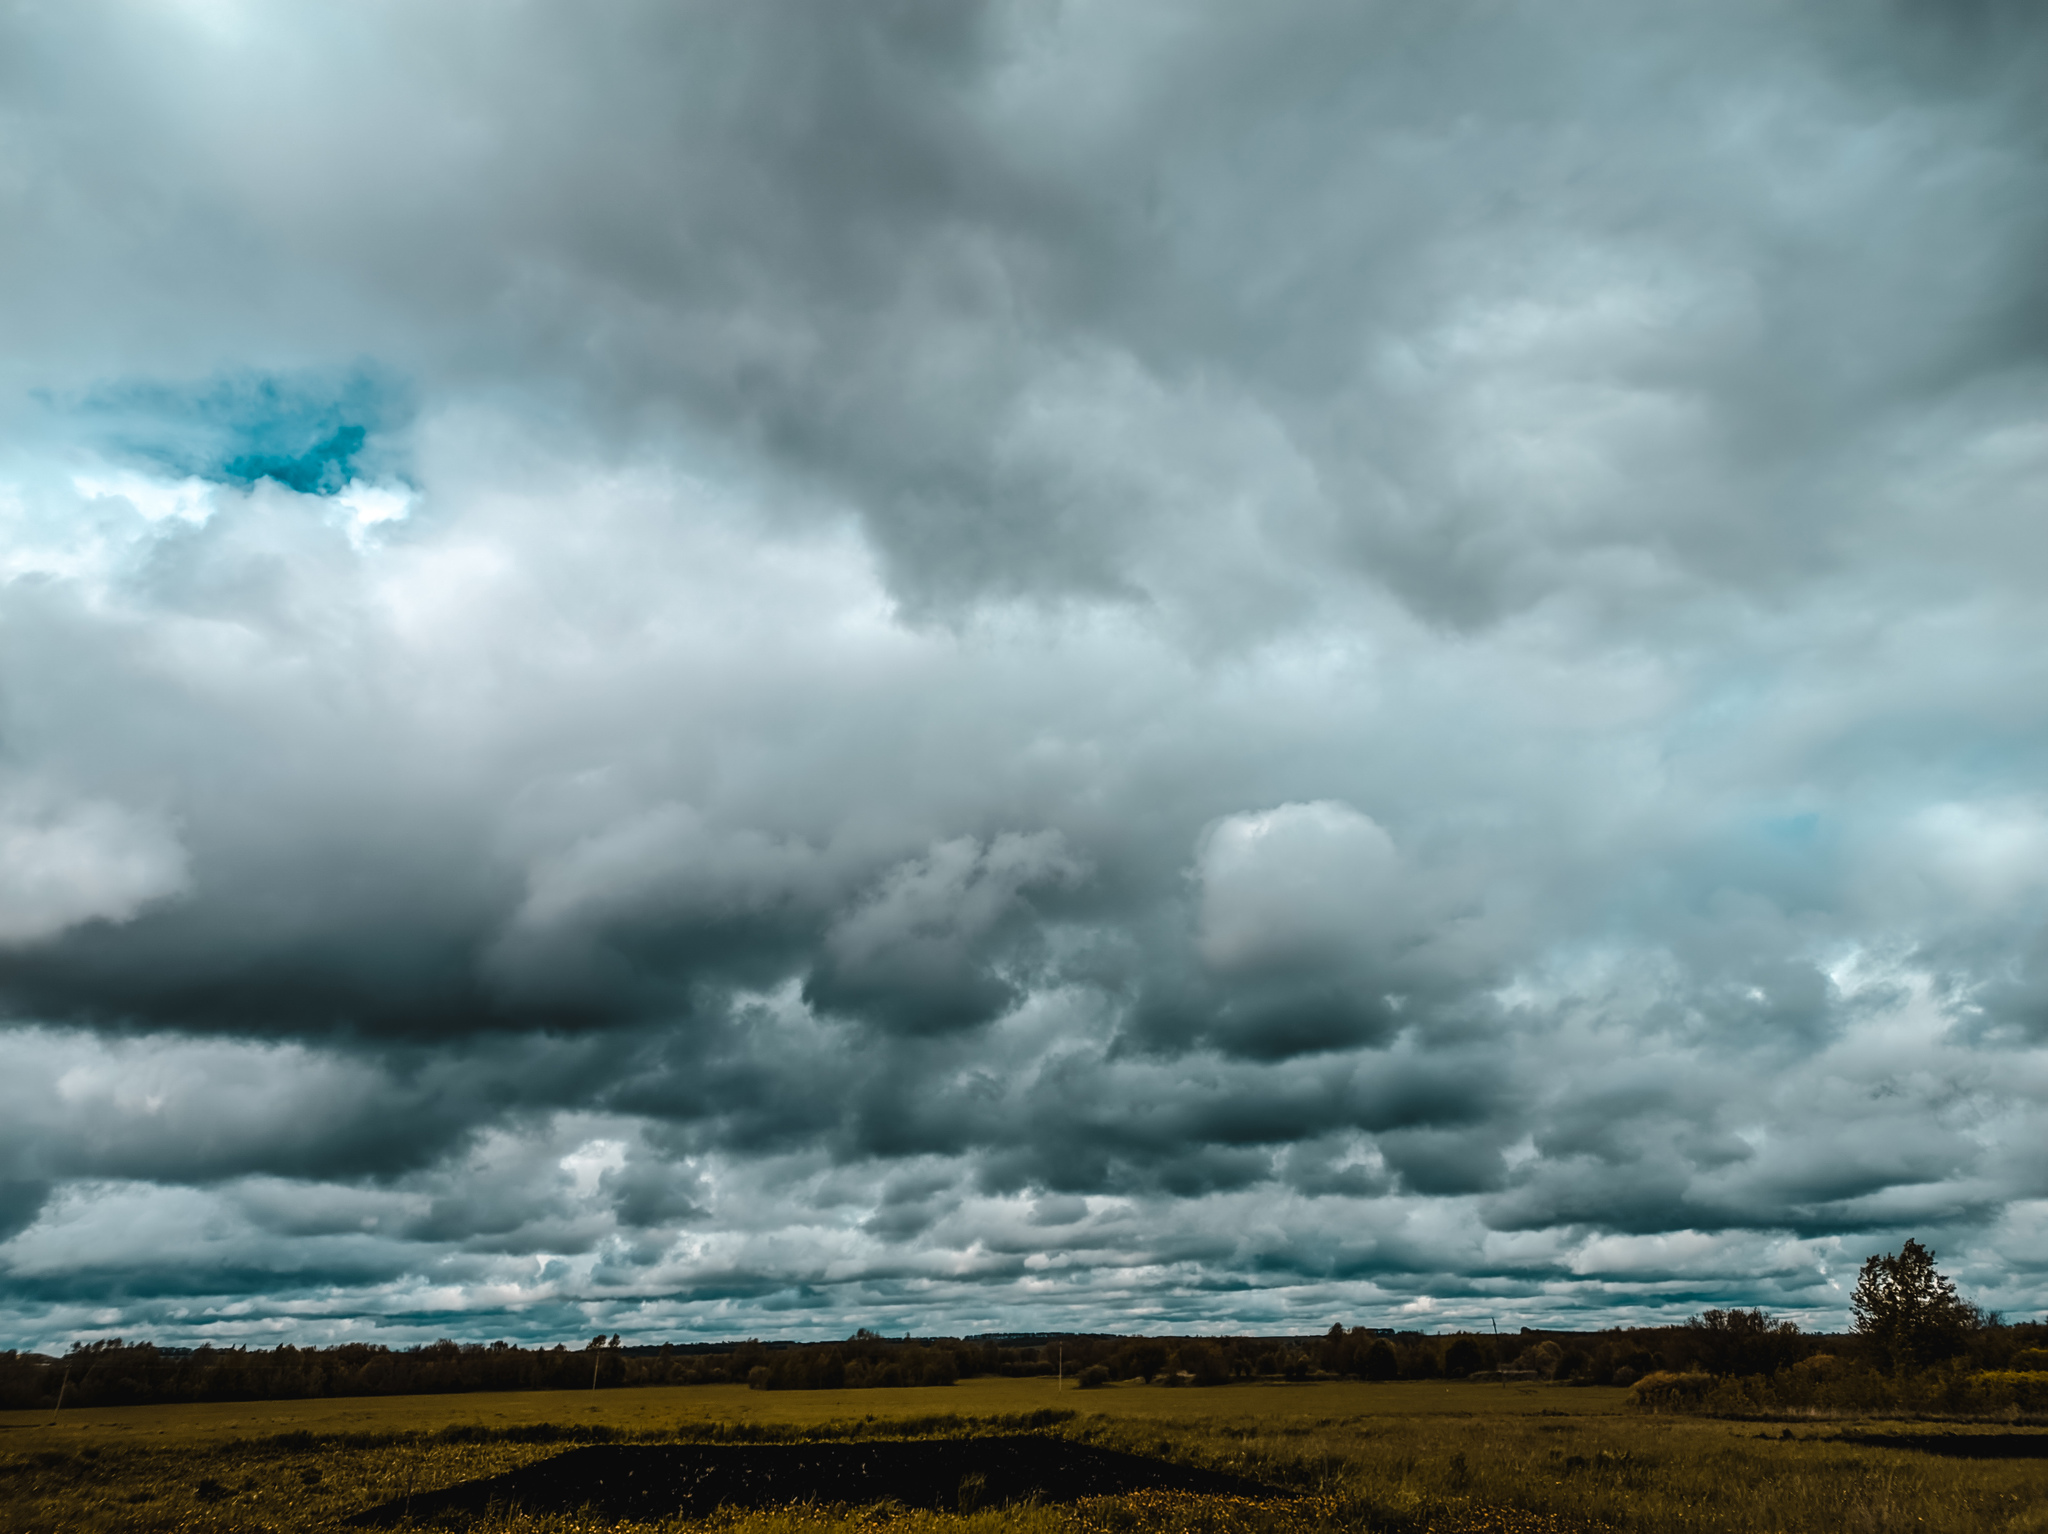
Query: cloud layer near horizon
point(962, 667)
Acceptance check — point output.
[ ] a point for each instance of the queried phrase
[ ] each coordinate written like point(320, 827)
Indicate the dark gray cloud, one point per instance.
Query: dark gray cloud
point(961, 666)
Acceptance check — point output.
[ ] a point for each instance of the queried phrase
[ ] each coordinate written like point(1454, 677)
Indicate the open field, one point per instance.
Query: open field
point(1397, 1456)
point(663, 1408)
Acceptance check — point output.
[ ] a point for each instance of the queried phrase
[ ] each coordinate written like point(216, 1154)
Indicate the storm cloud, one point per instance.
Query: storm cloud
point(754, 669)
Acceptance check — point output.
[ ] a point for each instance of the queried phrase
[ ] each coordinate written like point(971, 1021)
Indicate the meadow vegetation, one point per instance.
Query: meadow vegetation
point(1353, 1455)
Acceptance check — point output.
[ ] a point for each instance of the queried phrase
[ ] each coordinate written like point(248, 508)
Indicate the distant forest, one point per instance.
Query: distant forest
point(1714, 1344)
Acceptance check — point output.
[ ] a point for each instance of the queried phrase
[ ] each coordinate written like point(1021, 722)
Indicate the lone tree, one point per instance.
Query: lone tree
point(1911, 1313)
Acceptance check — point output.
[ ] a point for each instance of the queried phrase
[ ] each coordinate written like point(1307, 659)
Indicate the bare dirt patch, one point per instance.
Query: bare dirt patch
point(1958, 1445)
point(947, 1474)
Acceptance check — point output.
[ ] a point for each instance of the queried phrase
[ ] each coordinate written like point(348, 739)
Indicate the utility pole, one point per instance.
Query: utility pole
point(1060, 1380)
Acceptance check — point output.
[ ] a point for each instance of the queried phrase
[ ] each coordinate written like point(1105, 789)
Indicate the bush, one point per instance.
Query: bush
point(1999, 1389)
point(1817, 1370)
point(1094, 1377)
point(1666, 1392)
point(1828, 1382)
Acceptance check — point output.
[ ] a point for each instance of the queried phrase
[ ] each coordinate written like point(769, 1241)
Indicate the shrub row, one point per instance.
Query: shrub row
point(1826, 1383)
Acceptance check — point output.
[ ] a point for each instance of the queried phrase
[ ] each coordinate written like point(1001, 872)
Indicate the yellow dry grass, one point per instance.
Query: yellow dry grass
point(663, 1408)
point(1405, 1458)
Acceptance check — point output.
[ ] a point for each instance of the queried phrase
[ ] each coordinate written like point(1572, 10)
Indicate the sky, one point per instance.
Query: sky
point(742, 670)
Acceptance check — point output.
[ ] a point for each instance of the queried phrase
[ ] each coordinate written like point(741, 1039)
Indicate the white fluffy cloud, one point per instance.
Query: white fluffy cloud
point(66, 863)
point(1300, 884)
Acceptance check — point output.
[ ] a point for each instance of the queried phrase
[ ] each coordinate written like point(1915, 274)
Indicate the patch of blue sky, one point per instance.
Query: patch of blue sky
point(317, 433)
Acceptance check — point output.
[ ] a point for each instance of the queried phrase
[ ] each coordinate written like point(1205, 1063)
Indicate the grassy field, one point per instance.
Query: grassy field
point(1399, 1457)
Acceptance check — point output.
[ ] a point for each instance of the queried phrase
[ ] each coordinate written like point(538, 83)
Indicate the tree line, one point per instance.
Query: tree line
point(1916, 1345)
point(1910, 1322)
point(118, 1373)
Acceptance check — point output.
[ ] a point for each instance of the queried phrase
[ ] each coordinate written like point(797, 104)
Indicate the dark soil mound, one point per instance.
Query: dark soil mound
point(1959, 1445)
point(661, 1480)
